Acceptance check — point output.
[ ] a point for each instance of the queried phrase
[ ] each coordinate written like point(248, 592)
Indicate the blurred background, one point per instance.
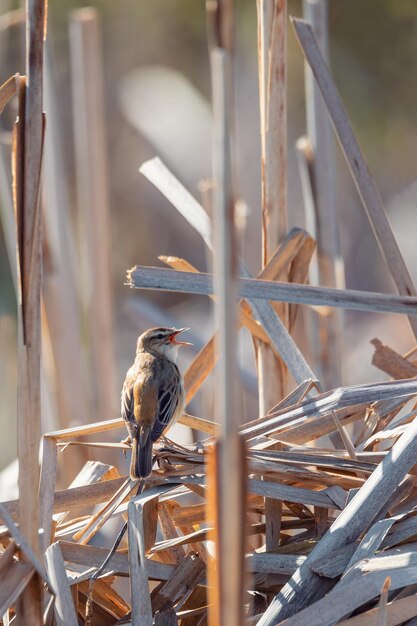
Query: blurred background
point(154, 93)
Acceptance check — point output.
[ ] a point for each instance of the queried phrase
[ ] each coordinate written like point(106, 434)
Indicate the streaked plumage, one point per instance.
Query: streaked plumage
point(153, 394)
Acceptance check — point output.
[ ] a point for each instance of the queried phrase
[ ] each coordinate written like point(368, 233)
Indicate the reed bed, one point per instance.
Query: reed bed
point(304, 515)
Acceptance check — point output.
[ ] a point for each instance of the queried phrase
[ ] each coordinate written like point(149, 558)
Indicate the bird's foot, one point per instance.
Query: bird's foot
point(127, 442)
point(199, 447)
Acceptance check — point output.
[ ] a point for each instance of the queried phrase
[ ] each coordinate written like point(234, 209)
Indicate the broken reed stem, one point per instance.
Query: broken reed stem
point(319, 490)
point(64, 609)
point(100, 570)
point(140, 277)
point(204, 362)
point(351, 523)
point(361, 175)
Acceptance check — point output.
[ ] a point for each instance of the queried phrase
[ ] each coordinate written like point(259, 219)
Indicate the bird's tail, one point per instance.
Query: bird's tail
point(141, 460)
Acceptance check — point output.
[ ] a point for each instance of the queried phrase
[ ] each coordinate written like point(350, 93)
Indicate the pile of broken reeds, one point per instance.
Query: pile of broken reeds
point(165, 553)
point(306, 514)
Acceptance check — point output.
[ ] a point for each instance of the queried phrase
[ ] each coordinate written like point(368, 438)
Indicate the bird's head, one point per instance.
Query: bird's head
point(162, 341)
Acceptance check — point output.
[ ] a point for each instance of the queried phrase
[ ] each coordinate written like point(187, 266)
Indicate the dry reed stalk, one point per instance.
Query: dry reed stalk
point(298, 593)
point(93, 203)
point(307, 477)
point(93, 557)
point(397, 612)
point(169, 530)
point(329, 610)
point(289, 251)
point(140, 277)
point(194, 213)
point(141, 602)
point(64, 606)
point(19, 575)
point(272, 40)
point(226, 479)
point(107, 425)
point(164, 180)
point(47, 487)
point(27, 166)
point(94, 524)
point(272, 53)
point(244, 318)
point(59, 290)
point(279, 336)
point(360, 172)
point(391, 362)
point(7, 91)
point(346, 524)
point(24, 546)
point(316, 320)
point(299, 271)
point(323, 181)
point(181, 584)
point(272, 89)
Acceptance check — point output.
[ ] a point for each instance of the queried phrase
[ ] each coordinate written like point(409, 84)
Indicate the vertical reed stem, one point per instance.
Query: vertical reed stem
point(227, 472)
point(28, 144)
point(323, 172)
point(93, 204)
point(272, 373)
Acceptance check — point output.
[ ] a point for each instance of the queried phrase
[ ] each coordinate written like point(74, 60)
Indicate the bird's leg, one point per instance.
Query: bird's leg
point(199, 447)
point(127, 442)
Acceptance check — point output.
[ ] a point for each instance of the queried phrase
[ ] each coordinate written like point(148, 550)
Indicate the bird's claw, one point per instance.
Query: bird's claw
point(199, 447)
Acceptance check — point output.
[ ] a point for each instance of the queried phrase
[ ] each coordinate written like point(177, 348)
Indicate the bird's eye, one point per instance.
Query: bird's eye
point(159, 336)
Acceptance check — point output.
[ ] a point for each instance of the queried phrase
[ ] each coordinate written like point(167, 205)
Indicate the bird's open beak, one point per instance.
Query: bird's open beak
point(175, 333)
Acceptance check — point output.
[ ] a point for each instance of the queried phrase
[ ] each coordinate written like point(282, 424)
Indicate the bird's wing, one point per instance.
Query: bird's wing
point(145, 398)
point(150, 399)
point(127, 403)
point(139, 401)
point(169, 396)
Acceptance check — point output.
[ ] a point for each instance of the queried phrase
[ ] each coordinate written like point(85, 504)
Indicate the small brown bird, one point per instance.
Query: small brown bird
point(153, 394)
